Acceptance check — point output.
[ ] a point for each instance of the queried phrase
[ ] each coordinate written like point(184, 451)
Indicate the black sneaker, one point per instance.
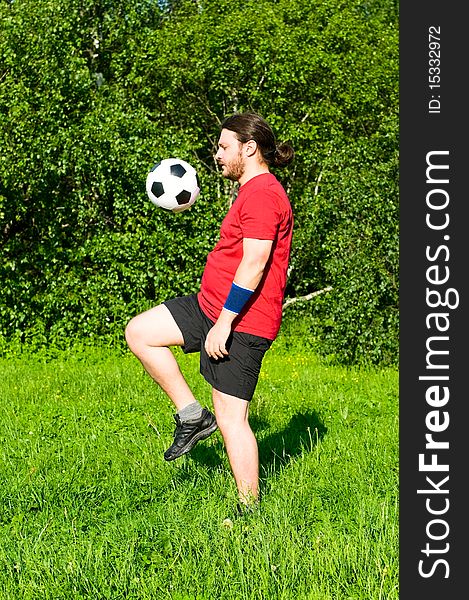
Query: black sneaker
point(188, 433)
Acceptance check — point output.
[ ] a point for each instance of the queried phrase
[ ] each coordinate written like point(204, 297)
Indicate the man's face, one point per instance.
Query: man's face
point(229, 155)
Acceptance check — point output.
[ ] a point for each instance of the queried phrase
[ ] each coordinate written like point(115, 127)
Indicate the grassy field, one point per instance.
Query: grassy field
point(90, 510)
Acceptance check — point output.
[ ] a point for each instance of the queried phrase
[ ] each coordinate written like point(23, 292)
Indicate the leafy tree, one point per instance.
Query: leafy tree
point(92, 93)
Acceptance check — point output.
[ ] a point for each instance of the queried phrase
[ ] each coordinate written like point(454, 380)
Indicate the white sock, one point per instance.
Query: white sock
point(190, 412)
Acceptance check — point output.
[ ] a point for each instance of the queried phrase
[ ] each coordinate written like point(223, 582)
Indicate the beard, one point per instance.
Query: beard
point(234, 169)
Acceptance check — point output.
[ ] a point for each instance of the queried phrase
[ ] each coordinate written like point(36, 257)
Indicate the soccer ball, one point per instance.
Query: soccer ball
point(173, 184)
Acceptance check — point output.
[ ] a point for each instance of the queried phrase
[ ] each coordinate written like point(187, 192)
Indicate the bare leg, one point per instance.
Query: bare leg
point(148, 336)
point(241, 445)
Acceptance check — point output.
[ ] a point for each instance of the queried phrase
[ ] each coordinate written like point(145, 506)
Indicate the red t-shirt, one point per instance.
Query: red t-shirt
point(261, 211)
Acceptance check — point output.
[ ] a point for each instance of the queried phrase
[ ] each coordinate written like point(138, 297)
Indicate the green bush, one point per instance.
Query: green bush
point(100, 91)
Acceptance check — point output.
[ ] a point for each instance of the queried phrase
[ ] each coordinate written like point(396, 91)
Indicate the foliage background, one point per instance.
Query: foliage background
point(92, 93)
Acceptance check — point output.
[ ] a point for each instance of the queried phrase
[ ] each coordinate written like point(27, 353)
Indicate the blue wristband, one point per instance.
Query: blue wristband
point(237, 298)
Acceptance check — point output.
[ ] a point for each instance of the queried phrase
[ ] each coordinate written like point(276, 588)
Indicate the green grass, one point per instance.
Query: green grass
point(89, 508)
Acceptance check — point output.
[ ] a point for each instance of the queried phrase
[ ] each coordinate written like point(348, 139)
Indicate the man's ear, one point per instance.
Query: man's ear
point(250, 147)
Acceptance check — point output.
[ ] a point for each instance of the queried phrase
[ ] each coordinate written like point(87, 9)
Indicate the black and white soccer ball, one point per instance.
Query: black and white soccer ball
point(173, 184)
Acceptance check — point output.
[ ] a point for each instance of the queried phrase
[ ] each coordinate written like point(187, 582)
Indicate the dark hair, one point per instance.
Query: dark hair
point(251, 126)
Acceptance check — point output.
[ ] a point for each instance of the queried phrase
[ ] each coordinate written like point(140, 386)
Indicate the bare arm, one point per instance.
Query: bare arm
point(249, 273)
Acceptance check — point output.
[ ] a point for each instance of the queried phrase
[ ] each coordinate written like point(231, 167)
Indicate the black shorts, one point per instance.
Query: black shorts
point(235, 374)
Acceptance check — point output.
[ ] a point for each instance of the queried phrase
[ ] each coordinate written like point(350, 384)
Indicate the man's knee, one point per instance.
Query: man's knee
point(154, 328)
point(222, 422)
point(230, 412)
point(133, 333)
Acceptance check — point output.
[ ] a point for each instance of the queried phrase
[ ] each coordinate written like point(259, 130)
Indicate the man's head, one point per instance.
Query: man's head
point(247, 147)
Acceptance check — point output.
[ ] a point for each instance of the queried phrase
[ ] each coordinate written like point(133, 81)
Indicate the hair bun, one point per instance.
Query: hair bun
point(284, 154)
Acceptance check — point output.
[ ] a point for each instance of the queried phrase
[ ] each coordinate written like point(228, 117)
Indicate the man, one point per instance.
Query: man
point(236, 315)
